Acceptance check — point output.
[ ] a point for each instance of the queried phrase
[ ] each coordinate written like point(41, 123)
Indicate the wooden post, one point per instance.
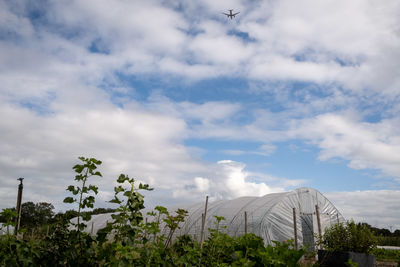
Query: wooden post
point(91, 230)
point(19, 205)
point(204, 217)
point(319, 222)
point(145, 232)
point(245, 222)
point(295, 228)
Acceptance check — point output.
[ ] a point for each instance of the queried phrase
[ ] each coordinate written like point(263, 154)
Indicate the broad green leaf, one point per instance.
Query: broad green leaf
point(78, 168)
point(118, 189)
point(93, 188)
point(122, 178)
point(115, 200)
point(69, 200)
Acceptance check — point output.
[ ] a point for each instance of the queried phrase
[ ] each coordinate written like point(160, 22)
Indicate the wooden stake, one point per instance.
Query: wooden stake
point(145, 232)
point(245, 222)
point(295, 228)
point(204, 216)
point(19, 205)
point(319, 222)
point(91, 230)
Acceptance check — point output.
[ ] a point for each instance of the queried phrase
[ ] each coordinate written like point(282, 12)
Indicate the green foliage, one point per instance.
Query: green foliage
point(9, 218)
point(388, 241)
point(128, 217)
point(173, 223)
point(351, 263)
point(34, 215)
point(18, 252)
point(83, 172)
point(348, 237)
point(131, 240)
point(386, 254)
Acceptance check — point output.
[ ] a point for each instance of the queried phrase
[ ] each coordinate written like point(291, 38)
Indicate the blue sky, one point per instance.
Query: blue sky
point(287, 94)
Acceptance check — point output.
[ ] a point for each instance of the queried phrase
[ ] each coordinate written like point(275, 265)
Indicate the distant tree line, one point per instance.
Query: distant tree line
point(382, 231)
point(34, 215)
point(385, 236)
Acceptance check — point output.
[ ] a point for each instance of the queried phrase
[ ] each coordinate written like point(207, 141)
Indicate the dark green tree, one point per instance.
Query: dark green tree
point(34, 215)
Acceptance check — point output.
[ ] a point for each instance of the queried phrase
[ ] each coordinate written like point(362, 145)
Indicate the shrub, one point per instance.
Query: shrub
point(348, 237)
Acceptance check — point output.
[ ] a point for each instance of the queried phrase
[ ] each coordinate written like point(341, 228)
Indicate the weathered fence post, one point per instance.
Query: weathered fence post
point(245, 222)
point(295, 228)
point(203, 223)
point(319, 222)
point(91, 230)
point(19, 204)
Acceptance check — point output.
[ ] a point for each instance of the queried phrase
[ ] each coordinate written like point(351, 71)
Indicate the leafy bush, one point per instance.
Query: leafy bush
point(348, 237)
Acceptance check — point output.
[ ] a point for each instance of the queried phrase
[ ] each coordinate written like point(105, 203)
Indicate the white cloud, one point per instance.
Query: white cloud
point(365, 145)
point(138, 140)
point(350, 43)
point(53, 110)
point(376, 207)
point(227, 180)
point(44, 148)
point(236, 184)
point(202, 184)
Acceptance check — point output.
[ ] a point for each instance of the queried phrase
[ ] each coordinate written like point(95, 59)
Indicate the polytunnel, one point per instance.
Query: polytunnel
point(270, 217)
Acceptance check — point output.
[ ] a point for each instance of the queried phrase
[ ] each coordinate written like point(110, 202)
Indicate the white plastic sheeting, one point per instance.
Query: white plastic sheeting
point(96, 223)
point(269, 216)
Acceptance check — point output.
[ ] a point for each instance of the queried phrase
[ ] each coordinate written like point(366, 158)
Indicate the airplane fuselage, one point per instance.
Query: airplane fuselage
point(231, 15)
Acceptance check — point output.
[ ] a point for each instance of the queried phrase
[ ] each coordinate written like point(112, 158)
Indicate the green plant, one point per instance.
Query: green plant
point(84, 172)
point(15, 251)
point(348, 237)
point(10, 216)
point(173, 223)
point(351, 263)
point(127, 220)
point(85, 200)
point(152, 227)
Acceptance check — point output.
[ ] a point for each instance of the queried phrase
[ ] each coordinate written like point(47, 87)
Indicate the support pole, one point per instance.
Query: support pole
point(245, 222)
point(319, 222)
point(19, 204)
point(204, 216)
point(295, 228)
point(91, 230)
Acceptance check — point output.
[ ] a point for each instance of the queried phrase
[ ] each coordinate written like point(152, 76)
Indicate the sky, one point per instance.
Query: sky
point(173, 93)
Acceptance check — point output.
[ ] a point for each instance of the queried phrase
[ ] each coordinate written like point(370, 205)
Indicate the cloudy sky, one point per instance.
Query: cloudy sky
point(288, 94)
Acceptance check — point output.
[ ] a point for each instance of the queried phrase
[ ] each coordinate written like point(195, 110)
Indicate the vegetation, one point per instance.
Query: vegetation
point(348, 236)
point(386, 255)
point(129, 240)
point(385, 236)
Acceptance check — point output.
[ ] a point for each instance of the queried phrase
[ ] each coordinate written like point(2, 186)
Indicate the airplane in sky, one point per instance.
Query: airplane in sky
point(231, 15)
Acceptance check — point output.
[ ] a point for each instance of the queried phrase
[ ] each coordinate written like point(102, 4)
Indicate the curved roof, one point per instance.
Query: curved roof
point(269, 216)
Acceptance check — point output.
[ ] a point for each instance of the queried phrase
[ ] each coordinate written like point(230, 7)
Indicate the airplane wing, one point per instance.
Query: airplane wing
point(235, 14)
point(225, 14)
